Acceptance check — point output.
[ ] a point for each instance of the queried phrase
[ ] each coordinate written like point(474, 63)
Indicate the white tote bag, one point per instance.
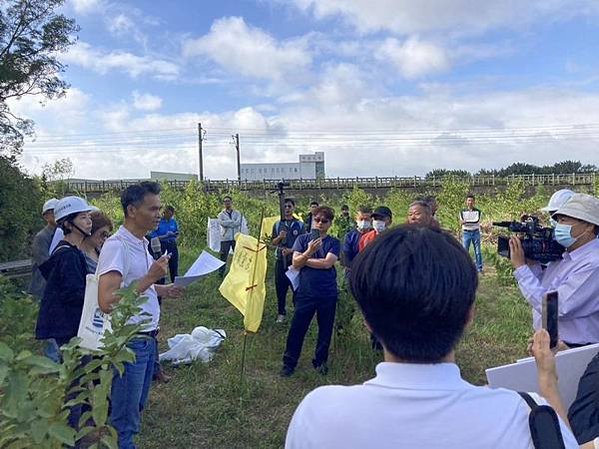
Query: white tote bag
point(94, 323)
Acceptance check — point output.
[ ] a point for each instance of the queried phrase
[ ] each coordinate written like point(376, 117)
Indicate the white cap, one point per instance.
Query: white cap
point(70, 205)
point(49, 205)
point(583, 207)
point(557, 200)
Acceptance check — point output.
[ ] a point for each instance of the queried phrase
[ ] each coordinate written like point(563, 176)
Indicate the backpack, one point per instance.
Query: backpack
point(544, 425)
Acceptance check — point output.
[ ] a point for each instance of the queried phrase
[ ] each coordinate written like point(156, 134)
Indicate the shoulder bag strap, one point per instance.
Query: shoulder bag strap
point(544, 425)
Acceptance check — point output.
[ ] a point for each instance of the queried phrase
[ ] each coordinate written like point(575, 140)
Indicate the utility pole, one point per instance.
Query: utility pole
point(201, 156)
point(236, 137)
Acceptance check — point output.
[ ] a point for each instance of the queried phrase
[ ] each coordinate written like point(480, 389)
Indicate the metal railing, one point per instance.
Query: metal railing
point(383, 182)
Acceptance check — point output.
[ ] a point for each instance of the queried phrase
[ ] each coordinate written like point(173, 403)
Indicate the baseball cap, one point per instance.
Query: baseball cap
point(583, 207)
point(382, 211)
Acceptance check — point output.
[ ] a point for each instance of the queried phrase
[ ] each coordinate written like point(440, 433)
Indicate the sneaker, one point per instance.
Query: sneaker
point(286, 371)
point(281, 318)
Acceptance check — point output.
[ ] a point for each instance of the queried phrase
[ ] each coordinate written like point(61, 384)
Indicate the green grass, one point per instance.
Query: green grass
point(206, 405)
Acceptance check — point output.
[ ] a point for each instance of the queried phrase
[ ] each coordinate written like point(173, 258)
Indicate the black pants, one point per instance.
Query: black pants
point(173, 263)
point(305, 308)
point(584, 411)
point(282, 282)
point(225, 246)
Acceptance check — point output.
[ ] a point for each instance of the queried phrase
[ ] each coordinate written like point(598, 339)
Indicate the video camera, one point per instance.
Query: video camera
point(537, 241)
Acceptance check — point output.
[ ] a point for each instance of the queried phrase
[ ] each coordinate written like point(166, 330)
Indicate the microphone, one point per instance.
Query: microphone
point(156, 248)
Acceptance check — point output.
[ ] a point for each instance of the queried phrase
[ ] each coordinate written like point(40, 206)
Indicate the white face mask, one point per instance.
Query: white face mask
point(379, 225)
point(363, 225)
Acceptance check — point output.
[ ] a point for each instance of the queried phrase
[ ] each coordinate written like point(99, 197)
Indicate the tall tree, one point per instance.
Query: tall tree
point(32, 34)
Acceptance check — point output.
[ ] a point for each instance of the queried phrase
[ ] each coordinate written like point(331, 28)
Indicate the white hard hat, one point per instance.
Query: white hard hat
point(583, 207)
point(94, 208)
point(70, 205)
point(49, 205)
point(557, 200)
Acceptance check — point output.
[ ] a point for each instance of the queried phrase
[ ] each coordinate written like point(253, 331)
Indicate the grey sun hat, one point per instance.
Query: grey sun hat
point(581, 206)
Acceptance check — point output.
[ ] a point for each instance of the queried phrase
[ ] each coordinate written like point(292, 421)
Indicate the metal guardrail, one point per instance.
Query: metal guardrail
point(572, 179)
point(16, 268)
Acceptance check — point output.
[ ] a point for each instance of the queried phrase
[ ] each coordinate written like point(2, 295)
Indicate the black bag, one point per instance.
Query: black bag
point(544, 425)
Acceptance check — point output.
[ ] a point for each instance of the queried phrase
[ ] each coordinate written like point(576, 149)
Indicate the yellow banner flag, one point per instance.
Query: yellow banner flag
point(267, 224)
point(245, 286)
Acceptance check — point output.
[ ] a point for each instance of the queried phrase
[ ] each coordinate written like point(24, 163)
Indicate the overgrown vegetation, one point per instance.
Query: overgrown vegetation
point(37, 395)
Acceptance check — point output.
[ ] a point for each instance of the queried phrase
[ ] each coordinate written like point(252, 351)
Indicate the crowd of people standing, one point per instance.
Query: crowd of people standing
point(405, 279)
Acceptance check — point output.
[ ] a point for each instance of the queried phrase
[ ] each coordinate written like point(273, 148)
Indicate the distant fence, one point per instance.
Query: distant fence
point(382, 182)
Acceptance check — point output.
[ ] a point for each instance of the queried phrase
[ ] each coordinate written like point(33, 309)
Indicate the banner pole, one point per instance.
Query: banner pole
point(252, 283)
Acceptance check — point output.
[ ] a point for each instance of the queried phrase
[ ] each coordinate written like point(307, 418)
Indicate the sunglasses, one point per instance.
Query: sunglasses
point(105, 235)
point(321, 220)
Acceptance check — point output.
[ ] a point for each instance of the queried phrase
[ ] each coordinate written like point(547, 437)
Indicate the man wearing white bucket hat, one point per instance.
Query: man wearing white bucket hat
point(575, 277)
point(557, 200)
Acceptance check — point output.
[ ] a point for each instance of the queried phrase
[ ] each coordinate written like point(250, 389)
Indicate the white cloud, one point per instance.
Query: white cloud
point(120, 24)
point(146, 102)
point(102, 62)
point(85, 7)
point(414, 58)
point(461, 16)
point(249, 51)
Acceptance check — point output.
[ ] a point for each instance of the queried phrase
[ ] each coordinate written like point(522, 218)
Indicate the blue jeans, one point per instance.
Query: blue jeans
point(130, 391)
point(474, 238)
point(52, 351)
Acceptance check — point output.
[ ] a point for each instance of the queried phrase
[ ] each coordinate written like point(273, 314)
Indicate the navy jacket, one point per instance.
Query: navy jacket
point(62, 303)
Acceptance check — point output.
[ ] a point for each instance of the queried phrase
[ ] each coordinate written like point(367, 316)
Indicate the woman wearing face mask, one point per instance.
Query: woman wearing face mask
point(91, 246)
point(382, 217)
point(65, 272)
point(575, 277)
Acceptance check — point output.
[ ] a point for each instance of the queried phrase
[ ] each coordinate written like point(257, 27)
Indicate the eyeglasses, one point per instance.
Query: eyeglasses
point(105, 235)
point(321, 220)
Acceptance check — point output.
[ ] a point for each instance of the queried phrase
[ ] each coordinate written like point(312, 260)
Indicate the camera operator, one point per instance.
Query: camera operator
point(575, 277)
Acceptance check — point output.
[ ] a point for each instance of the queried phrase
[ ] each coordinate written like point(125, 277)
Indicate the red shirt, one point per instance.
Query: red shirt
point(366, 239)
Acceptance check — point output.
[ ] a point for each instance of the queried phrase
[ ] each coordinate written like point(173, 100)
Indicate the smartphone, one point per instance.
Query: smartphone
point(314, 234)
point(549, 316)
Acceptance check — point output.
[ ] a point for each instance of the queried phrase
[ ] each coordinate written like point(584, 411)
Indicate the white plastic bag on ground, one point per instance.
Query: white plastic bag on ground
point(199, 345)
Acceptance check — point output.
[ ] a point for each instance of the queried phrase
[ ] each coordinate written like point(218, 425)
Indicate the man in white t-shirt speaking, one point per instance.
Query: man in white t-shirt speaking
point(416, 288)
point(124, 259)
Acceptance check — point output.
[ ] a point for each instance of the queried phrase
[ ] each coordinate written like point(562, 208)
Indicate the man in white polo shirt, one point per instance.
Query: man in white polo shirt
point(124, 259)
point(416, 288)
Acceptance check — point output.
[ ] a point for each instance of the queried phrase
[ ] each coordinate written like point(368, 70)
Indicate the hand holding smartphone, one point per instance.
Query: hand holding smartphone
point(314, 234)
point(549, 315)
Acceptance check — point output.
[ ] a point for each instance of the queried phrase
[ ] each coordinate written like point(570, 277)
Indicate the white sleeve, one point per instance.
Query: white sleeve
point(112, 257)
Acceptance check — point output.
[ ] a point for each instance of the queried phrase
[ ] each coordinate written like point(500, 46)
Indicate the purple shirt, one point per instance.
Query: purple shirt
point(576, 279)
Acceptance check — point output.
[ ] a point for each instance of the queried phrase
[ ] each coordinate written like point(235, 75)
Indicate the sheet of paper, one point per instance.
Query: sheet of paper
point(522, 375)
point(204, 264)
point(293, 276)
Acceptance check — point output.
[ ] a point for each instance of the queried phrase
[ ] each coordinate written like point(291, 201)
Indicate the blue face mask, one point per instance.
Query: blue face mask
point(563, 235)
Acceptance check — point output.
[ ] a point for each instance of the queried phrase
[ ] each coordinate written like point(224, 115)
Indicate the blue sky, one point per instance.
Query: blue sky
point(384, 87)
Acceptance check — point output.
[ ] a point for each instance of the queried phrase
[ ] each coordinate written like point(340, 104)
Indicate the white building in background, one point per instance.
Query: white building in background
point(310, 166)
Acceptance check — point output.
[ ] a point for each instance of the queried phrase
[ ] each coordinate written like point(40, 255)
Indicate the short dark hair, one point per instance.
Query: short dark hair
point(345, 207)
point(415, 287)
point(227, 198)
point(326, 212)
point(134, 195)
point(471, 195)
point(99, 220)
point(365, 210)
point(170, 208)
point(314, 203)
point(289, 200)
